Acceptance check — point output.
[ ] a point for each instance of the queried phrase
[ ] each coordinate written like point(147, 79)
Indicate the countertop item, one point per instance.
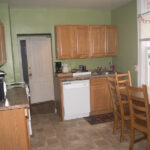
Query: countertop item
point(65, 68)
point(16, 98)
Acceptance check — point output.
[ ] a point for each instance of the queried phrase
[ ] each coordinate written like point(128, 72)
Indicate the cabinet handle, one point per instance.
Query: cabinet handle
point(26, 113)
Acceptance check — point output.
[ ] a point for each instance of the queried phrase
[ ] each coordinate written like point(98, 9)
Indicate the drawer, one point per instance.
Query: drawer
point(97, 81)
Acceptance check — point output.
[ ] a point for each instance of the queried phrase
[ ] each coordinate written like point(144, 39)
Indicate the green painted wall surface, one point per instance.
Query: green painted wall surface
point(33, 21)
point(4, 18)
point(125, 18)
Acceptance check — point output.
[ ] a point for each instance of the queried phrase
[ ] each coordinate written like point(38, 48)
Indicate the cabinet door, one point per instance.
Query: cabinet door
point(65, 42)
point(98, 41)
point(111, 41)
point(100, 97)
point(2, 45)
point(82, 41)
point(14, 130)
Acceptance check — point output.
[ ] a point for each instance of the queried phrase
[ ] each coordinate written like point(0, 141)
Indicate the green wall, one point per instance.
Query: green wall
point(125, 18)
point(33, 21)
point(4, 18)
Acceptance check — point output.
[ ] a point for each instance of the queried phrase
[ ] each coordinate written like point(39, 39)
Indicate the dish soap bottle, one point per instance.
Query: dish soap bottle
point(111, 67)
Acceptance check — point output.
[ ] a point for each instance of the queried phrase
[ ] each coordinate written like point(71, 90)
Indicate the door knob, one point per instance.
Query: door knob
point(30, 74)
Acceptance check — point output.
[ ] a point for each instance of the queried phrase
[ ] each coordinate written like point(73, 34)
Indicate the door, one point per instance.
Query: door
point(82, 41)
point(65, 42)
point(40, 69)
point(111, 41)
point(98, 41)
point(100, 97)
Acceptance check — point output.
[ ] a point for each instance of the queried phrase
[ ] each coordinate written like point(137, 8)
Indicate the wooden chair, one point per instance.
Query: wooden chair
point(115, 102)
point(121, 81)
point(139, 108)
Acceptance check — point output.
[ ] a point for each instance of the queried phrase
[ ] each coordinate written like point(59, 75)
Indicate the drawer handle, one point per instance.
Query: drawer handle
point(26, 113)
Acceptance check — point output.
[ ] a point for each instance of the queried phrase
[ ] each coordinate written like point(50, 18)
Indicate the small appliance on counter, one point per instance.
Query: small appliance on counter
point(65, 68)
point(82, 68)
point(3, 88)
point(58, 67)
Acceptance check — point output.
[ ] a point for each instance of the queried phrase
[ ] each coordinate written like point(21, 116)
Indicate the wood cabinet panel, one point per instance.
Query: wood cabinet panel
point(66, 46)
point(100, 97)
point(111, 41)
point(98, 41)
point(2, 45)
point(82, 41)
point(14, 130)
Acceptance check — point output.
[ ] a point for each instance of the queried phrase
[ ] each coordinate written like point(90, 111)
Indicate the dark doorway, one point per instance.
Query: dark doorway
point(24, 61)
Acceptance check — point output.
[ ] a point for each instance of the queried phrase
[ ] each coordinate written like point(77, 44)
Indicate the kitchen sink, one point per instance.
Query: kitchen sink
point(102, 73)
point(107, 72)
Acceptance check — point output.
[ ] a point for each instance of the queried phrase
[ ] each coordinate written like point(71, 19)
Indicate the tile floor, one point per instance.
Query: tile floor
point(49, 133)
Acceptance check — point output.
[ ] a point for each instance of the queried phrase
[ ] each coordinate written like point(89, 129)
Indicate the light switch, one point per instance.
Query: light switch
point(136, 68)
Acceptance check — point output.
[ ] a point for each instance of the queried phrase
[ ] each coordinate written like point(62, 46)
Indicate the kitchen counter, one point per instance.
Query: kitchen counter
point(85, 77)
point(100, 101)
point(16, 98)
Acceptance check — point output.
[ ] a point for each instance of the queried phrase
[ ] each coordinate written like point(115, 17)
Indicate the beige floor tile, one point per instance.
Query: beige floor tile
point(49, 133)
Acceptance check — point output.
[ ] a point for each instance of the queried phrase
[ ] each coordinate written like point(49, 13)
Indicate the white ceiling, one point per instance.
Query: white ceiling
point(80, 4)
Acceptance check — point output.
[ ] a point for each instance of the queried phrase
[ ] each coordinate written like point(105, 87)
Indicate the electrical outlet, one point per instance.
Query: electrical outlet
point(136, 68)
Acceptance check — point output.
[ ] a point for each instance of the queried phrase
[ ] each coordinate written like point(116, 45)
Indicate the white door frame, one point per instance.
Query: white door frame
point(24, 37)
point(20, 58)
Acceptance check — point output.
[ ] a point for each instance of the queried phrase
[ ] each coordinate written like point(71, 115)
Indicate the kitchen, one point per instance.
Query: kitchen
point(20, 21)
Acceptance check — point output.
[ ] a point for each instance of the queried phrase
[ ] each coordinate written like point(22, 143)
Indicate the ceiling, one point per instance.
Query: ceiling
point(69, 4)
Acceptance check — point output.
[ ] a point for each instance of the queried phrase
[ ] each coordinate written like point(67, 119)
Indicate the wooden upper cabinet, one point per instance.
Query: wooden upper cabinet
point(82, 41)
point(2, 45)
point(111, 41)
point(66, 46)
point(98, 41)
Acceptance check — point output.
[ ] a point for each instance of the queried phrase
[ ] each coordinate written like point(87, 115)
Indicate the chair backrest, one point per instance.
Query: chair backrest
point(122, 80)
point(113, 93)
point(139, 108)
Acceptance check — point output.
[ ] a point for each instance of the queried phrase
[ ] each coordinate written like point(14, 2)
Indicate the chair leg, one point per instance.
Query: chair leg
point(122, 131)
point(115, 124)
point(148, 142)
point(132, 139)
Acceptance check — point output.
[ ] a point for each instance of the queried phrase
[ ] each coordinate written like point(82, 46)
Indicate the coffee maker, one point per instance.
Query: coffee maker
point(58, 67)
point(2, 86)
